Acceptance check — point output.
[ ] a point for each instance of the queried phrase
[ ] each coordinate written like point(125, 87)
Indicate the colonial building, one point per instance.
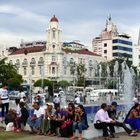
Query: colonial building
point(52, 59)
point(110, 44)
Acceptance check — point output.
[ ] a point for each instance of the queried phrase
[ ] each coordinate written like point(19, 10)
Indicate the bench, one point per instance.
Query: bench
point(92, 132)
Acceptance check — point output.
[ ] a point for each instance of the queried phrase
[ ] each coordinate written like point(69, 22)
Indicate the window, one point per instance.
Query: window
point(64, 61)
point(25, 62)
point(53, 33)
point(105, 44)
point(17, 70)
point(90, 72)
point(11, 62)
point(122, 48)
point(65, 70)
point(40, 70)
point(105, 51)
point(71, 61)
point(33, 70)
point(90, 62)
point(122, 42)
point(33, 61)
point(53, 70)
point(17, 62)
point(25, 71)
point(53, 46)
point(53, 58)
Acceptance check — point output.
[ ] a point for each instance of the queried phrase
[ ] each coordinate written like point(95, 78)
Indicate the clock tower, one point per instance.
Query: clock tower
point(53, 36)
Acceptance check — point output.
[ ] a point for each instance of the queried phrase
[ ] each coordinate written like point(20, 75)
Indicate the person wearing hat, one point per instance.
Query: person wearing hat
point(112, 112)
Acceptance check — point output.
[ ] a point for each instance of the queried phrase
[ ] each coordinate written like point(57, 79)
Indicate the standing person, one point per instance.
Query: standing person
point(4, 99)
point(56, 101)
point(103, 121)
point(77, 99)
point(113, 115)
point(80, 122)
point(21, 93)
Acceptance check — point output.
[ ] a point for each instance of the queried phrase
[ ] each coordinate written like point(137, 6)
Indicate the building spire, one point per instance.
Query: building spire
point(109, 17)
point(139, 37)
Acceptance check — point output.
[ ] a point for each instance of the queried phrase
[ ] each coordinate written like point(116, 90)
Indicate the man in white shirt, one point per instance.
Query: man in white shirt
point(36, 120)
point(4, 99)
point(77, 99)
point(102, 121)
point(56, 101)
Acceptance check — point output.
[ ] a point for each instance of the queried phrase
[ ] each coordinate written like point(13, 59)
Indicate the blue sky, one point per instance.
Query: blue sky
point(79, 19)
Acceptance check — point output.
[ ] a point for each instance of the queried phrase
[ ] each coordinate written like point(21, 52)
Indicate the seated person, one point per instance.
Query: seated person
point(133, 117)
point(102, 121)
point(113, 115)
point(80, 121)
point(47, 117)
point(36, 120)
point(10, 116)
point(22, 119)
point(57, 120)
point(66, 127)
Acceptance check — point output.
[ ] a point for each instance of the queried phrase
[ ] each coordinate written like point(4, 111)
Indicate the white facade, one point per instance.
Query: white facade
point(136, 56)
point(52, 61)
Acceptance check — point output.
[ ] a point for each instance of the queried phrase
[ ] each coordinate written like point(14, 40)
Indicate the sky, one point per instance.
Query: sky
point(27, 20)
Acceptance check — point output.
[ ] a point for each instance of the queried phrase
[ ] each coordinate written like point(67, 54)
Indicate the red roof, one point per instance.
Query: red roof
point(54, 19)
point(29, 50)
point(83, 51)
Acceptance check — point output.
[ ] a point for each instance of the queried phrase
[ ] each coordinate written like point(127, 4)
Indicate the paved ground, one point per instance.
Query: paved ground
point(121, 137)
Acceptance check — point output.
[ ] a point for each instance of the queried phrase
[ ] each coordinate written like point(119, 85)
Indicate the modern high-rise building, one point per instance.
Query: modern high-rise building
point(122, 47)
point(110, 44)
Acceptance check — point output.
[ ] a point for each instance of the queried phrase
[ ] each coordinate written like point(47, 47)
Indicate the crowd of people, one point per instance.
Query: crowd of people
point(51, 119)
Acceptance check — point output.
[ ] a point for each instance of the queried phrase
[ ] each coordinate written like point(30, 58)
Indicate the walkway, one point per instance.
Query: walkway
point(121, 137)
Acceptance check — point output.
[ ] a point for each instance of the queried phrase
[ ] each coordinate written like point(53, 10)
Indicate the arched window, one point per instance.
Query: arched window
point(41, 59)
point(71, 60)
point(17, 61)
point(53, 33)
point(33, 61)
point(11, 62)
point(90, 63)
point(25, 61)
point(64, 61)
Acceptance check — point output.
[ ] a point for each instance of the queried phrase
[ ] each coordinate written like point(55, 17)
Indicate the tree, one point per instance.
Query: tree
point(81, 70)
point(46, 83)
point(8, 74)
point(64, 84)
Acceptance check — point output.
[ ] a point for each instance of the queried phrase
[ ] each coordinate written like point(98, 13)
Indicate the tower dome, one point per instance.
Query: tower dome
point(54, 19)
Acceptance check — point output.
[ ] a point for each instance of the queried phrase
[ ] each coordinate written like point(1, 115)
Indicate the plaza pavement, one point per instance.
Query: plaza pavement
point(122, 136)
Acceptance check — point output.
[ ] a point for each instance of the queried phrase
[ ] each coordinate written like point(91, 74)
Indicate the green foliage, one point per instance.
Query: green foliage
point(8, 74)
point(63, 83)
point(81, 70)
point(46, 83)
